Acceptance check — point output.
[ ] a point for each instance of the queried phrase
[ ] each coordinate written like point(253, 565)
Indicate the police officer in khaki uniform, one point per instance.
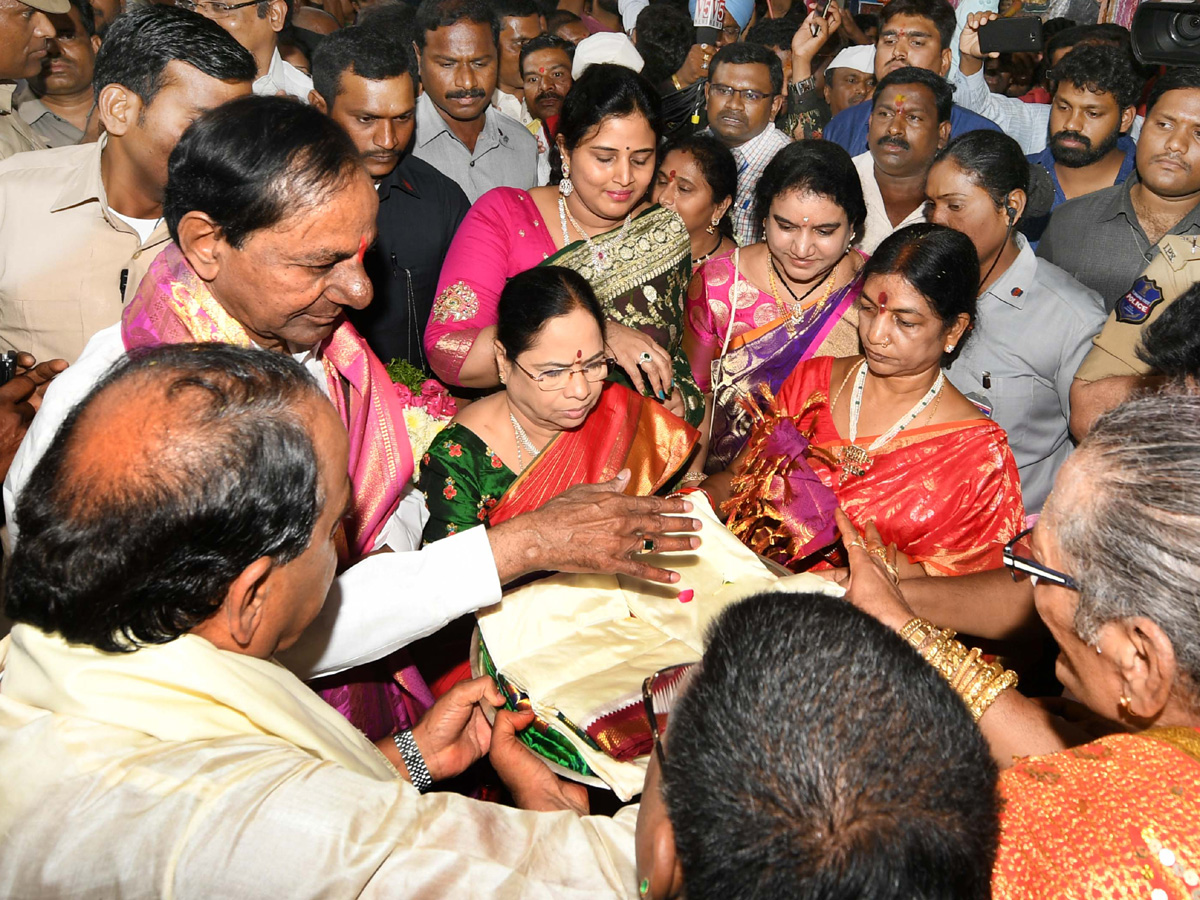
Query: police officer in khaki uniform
point(24, 42)
point(1112, 370)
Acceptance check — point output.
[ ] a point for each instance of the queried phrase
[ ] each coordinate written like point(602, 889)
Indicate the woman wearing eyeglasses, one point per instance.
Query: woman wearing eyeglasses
point(555, 424)
point(1101, 797)
point(597, 221)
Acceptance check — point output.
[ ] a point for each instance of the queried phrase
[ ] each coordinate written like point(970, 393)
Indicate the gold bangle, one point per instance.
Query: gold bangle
point(1007, 679)
point(675, 81)
point(693, 478)
point(914, 625)
point(967, 665)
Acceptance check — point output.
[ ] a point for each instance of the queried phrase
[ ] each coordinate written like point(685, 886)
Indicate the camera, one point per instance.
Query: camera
point(1167, 33)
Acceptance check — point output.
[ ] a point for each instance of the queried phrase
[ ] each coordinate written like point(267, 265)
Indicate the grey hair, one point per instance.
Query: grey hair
point(1133, 535)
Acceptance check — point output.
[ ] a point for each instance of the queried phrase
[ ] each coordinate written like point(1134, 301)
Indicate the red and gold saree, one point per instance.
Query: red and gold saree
point(947, 495)
point(624, 431)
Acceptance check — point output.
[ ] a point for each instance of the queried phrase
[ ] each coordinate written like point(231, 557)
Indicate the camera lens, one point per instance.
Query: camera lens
point(1185, 28)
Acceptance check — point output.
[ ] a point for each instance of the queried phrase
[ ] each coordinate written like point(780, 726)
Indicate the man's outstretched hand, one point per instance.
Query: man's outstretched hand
point(594, 528)
point(20, 399)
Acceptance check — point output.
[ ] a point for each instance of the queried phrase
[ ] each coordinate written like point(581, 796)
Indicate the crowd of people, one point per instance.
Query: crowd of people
point(910, 316)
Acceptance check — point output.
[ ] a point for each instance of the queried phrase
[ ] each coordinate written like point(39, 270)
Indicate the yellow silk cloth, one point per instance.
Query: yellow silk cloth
point(185, 690)
point(583, 644)
point(1115, 819)
point(624, 431)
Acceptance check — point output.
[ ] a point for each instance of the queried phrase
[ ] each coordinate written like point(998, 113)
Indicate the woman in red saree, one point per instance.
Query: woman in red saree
point(557, 423)
point(885, 436)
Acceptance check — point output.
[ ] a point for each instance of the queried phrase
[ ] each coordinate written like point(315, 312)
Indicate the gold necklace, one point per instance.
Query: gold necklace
point(795, 314)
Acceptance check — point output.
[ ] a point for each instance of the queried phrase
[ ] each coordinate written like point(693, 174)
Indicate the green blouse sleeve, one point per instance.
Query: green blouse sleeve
point(462, 479)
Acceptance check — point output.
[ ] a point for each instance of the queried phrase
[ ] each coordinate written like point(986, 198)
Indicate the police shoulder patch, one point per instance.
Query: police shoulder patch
point(1135, 307)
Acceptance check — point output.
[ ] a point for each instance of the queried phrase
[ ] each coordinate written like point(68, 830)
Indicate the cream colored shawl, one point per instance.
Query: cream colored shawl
point(186, 690)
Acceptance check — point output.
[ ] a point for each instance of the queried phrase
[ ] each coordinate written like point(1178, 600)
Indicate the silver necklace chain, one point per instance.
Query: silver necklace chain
point(860, 381)
point(598, 256)
point(522, 441)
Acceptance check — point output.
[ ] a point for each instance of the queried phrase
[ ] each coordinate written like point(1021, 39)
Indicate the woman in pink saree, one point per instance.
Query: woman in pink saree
point(755, 315)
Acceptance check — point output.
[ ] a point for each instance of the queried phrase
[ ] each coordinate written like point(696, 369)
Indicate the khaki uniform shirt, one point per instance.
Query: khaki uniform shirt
point(1173, 271)
point(67, 264)
point(15, 134)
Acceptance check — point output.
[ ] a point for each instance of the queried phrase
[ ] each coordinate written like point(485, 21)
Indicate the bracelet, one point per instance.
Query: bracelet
point(807, 84)
point(693, 478)
point(675, 81)
point(977, 682)
point(413, 760)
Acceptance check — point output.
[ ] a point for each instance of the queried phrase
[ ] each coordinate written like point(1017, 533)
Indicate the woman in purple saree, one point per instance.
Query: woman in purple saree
point(752, 317)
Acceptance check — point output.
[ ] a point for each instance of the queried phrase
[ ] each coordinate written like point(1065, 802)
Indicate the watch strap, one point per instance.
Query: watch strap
point(406, 744)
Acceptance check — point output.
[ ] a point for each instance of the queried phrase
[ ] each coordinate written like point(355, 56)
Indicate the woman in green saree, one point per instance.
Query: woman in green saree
point(636, 256)
point(555, 424)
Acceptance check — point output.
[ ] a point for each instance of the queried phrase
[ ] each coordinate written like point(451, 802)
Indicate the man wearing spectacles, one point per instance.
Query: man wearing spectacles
point(744, 95)
point(255, 24)
point(91, 215)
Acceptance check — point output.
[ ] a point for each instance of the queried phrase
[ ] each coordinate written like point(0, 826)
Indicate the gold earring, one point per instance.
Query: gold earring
point(712, 228)
point(1124, 702)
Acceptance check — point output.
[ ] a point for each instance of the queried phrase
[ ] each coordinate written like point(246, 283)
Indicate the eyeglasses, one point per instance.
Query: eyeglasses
point(558, 379)
point(659, 693)
point(1018, 563)
point(749, 95)
point(733, 32)
point(213, 9)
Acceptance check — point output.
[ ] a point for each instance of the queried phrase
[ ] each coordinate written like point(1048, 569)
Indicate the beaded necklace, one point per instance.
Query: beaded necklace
point(522, 441)
point(856, 460)
point(599, 257)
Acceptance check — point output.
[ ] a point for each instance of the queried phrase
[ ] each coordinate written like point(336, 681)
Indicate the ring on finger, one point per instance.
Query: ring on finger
point(893, 573)
point(645, 358)
point(880, 552)
point(647, 545)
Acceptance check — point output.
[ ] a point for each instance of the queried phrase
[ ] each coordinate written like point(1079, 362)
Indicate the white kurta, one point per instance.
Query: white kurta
point(382, 603)
point(143, 775)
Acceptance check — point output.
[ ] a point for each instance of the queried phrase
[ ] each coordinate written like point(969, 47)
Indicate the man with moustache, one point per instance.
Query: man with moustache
point(546, 71)
point(25, 33)
point(363, 82)
point(459, 132)
point(61, 96)
point(916, 33)
point(909, 124)
point(520, 23)
point(744, 95)
point(1091, 112)
point(1106, 238)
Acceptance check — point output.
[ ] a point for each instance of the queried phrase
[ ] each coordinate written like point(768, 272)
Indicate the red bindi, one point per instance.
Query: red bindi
point(671, 175)
point(883, 299)
point(542, 69)
point(362, 248)
point(579, 354)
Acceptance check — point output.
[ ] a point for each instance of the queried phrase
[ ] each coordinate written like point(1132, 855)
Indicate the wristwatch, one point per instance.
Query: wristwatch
point(413, 760)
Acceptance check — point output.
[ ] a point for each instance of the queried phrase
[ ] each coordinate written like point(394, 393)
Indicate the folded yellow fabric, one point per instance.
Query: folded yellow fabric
point(581, 645)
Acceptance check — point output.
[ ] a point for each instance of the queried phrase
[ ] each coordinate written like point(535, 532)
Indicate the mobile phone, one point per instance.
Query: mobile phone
point(1015, 35)
point(8, 366)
